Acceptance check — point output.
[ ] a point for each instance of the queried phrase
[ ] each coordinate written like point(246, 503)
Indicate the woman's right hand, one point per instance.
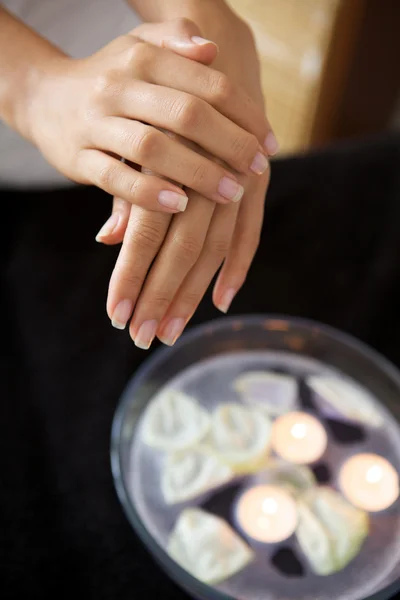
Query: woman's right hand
point(85, 115)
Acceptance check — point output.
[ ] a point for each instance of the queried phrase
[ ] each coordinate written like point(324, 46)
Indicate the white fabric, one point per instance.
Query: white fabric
point(79, 28)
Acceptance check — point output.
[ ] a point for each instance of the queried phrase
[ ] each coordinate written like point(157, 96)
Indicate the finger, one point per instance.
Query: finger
point(143, 238)
point(196, 283)
point(180, 35)
point(154, 150)
point(180, 251)
point(184, 37)
point(244, 245)
point(165, 68)
point(119, 179)
point(195, 120)
point(114, 228)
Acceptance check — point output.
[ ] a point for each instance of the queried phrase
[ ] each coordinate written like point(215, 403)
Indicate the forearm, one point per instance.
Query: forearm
point(24, 56)
point(213, 17)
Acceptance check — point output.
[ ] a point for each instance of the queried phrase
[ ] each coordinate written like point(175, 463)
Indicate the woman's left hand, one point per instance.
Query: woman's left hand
point(190, 248)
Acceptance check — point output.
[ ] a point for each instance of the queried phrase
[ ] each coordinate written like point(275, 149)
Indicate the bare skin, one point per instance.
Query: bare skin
point(83, 113)
point(223, 235)
point(139, 99)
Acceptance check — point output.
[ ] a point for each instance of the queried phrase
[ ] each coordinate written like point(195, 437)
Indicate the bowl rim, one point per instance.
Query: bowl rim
point(180, 576)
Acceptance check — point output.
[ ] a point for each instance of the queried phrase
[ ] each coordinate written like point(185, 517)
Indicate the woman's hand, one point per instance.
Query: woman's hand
point(194, 247)
point(86, 114)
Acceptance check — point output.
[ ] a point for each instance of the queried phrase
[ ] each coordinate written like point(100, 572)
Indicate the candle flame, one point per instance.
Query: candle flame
point(270, 506)
point(299, 430)
point(374, 474)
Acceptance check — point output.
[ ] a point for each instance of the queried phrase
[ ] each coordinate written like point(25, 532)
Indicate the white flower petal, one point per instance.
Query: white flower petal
point(346, 400)
point(207, 547)
point(174, 421)
point(271, 392)
point(188, 474)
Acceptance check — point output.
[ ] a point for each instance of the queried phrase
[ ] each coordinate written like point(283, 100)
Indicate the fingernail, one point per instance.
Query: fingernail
point(271, 144)
point(200, 41)
point(188, 42)
point(230, 189)
point(226, 300)
point(108, 227)
point(146, 334)
point(259, 164)
point(172, 331)
point(173, 200)
point(121, 314)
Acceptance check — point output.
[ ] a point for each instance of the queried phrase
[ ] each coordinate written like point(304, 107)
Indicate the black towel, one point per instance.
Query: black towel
point(330, 250)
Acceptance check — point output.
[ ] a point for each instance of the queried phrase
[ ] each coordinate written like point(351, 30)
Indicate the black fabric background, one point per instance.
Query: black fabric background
point(330, 251)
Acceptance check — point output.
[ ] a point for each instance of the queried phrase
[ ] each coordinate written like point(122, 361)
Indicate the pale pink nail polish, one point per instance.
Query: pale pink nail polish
point(226, 300)
point(184, 43)
point(122, 314)
point(146, 334)
point(108, 227)
point(178, 42)
point(200, 41)
point(230, 189)
point(173, 200)
point(271, 144)
point(260, 164)
point(172, 331)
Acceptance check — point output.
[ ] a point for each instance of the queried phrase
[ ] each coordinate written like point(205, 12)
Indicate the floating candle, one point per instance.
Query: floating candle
point(369, 481)
point(299, 438)
point(267, 514)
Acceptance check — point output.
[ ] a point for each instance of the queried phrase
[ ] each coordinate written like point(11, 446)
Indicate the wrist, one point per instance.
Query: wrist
point(30, 90)
point(24, 58)
point(165, 10)
point(211, 16)
point(216, 19)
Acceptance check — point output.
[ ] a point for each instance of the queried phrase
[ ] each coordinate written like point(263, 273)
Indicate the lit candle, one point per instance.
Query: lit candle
point(267, 514)
point(299, 438)
point(369, 481)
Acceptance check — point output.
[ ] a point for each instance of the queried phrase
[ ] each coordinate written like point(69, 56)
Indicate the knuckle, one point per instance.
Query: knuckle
point(218, 248)
point(106, 86)
point(108, 176)
point(184, 26)
point(143, 146)
point(187, 248)
point(244, 148)
point(135, 189)
point(221, 88)
point(147, 237)
point(160, 300)
point(191, 298)
point(127, 277)
point(199, 176)
point(187, 114)
point(137, 53)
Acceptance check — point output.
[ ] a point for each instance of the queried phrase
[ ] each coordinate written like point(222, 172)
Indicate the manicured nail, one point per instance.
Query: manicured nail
point(230, 189)
point(146, 334)
point(181, 42)
point(259, 164)
point(271, 144)
point(122, 313)
point(201, 41)
point(172, 331)
point(226, 300)
point(173, 200)
point(108, 227)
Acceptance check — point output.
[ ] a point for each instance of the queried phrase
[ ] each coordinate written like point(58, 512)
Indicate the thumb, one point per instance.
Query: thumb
point(114, 228)
point(180, 35)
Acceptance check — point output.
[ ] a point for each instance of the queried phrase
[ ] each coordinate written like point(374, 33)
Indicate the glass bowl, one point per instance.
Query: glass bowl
point(237, 335)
